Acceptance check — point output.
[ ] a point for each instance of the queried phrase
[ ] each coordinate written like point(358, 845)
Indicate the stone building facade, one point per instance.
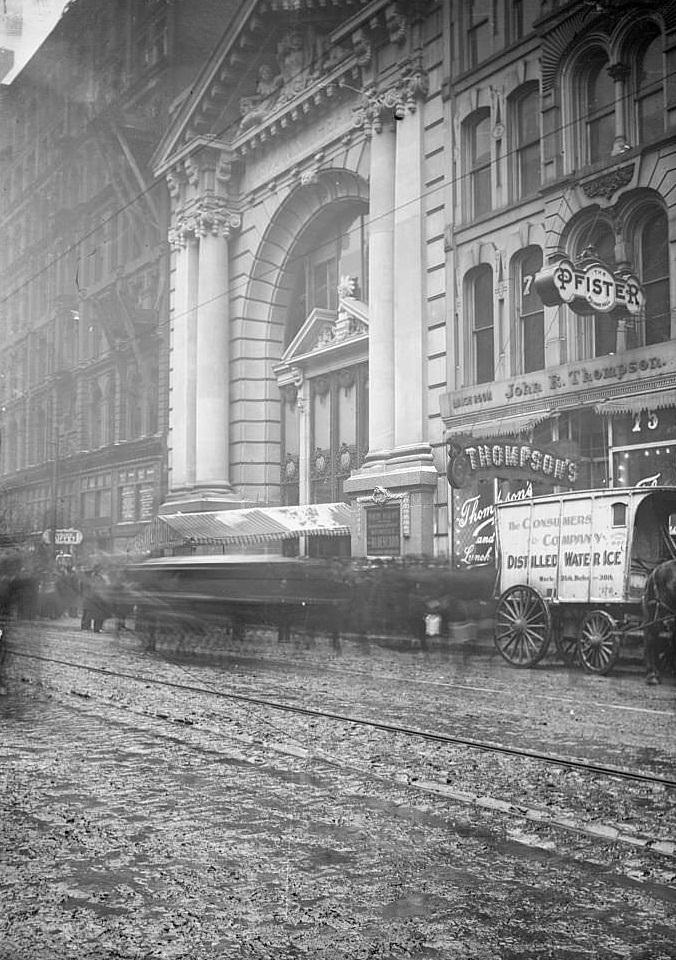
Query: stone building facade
point(84, 268)
point(415, 255)
point(367, 206)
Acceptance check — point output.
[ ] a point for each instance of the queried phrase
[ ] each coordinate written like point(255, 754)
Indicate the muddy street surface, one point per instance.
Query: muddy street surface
point(289, 801)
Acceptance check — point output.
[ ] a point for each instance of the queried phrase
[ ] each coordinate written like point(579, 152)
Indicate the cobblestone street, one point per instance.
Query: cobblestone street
point(147, 821)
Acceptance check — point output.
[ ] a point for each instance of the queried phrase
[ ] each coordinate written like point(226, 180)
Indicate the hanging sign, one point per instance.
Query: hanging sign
point(590, 287)
point(496, 458)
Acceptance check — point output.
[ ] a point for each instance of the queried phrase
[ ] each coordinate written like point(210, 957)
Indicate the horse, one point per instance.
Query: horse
point(659, 612)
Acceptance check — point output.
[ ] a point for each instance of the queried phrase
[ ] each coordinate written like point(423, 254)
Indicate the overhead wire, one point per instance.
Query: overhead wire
point(452, 182)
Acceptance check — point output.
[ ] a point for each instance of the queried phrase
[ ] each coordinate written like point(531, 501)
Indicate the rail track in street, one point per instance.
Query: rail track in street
point(576, 798)
point(482, 745)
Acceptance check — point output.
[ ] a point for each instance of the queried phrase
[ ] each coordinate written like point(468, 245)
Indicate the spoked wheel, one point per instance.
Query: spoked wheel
point(599, 642)
point(523, 626)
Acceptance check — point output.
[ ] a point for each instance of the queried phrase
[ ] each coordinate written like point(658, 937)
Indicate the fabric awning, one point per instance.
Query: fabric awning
point(643, 401)
point(500, 426)
point(248, 526)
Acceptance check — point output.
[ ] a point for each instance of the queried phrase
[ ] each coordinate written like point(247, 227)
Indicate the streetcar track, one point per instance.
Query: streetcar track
point(485, 805)
point(232, 653)
point(486, 746)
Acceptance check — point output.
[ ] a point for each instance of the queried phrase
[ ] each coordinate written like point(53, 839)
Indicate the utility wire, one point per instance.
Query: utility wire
point(447, 184)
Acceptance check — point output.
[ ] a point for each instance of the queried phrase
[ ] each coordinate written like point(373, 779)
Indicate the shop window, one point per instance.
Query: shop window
point(652, 258)
point(479, 301)
point(477, 150)
point(530, 320)
point(525, 151)
point(650, 106)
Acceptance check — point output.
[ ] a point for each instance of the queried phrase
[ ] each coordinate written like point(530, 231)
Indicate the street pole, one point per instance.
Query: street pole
point(55, 493)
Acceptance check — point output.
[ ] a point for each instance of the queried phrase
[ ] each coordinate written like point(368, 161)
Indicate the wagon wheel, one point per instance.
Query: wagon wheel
point(599, 642)
point(567, 646)
point(523, 626)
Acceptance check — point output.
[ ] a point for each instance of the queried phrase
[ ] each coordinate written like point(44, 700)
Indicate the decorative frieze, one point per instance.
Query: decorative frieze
point(608, 183)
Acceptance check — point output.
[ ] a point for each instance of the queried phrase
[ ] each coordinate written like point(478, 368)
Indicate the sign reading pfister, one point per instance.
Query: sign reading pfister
point(592, 287)
point(568, 548)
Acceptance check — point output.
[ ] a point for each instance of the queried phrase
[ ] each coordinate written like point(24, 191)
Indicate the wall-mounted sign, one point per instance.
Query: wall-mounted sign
point(473, 533)
point(500, 459)
point(640, 364)
point(592, 287)
point(383, 531)
point(64, 537)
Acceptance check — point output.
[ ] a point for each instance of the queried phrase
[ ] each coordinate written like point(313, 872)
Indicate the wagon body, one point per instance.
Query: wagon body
point(574, 565)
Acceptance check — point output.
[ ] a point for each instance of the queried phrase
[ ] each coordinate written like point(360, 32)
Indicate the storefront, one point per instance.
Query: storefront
point(609, 421)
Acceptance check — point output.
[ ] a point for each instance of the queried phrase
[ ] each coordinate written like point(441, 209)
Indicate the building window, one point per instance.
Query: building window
point(598, 108)
point(600, 330)
point(339, 430)
point(526, 147)
point(478, 32)
point(650, 107)
point(514, 20)
point(333, 247)
point(652, 257)
point(529, 310)
point(479, 300)
point(477, 137)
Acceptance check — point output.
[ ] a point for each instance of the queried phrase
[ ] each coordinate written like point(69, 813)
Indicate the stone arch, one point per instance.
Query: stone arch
point(254, 393)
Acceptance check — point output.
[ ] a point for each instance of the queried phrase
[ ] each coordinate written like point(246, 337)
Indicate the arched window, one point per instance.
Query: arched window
point(598, 104)
point(477, 151)
point(526, 140)
point(652, 259)
point(650, 106)
point(479, 303)
point(530, 317)
point(334, 246)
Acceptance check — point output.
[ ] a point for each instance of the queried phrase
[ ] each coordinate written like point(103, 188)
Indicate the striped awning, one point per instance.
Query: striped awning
point(248, 526)
point(656, 400)
point(500, 426)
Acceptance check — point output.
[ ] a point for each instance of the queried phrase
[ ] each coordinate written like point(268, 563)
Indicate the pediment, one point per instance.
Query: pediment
point(327, 330)
point(273, 55)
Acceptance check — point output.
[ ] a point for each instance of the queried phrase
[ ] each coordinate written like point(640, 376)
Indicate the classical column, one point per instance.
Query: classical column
point(212, 349)
point(182, 377)
point(409, 285)
point(619, 74)
point(381, 286)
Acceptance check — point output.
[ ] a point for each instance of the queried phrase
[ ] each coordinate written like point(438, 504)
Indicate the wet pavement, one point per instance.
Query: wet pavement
point(143, 820)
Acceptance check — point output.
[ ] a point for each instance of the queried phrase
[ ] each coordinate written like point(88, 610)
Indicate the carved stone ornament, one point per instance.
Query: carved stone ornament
point(344, 458)
point(291, 468)
point(609, 183)
point(411, 85)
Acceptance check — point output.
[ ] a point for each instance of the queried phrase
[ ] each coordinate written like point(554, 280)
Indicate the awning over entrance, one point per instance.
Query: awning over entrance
point(249, 526)
point(643, 401)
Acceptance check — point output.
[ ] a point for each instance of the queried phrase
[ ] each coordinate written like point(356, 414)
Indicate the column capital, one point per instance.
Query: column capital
point(204, 216)
point(375, 106)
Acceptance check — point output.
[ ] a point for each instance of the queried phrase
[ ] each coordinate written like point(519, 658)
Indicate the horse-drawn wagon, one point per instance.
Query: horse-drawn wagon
point(573, 567)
